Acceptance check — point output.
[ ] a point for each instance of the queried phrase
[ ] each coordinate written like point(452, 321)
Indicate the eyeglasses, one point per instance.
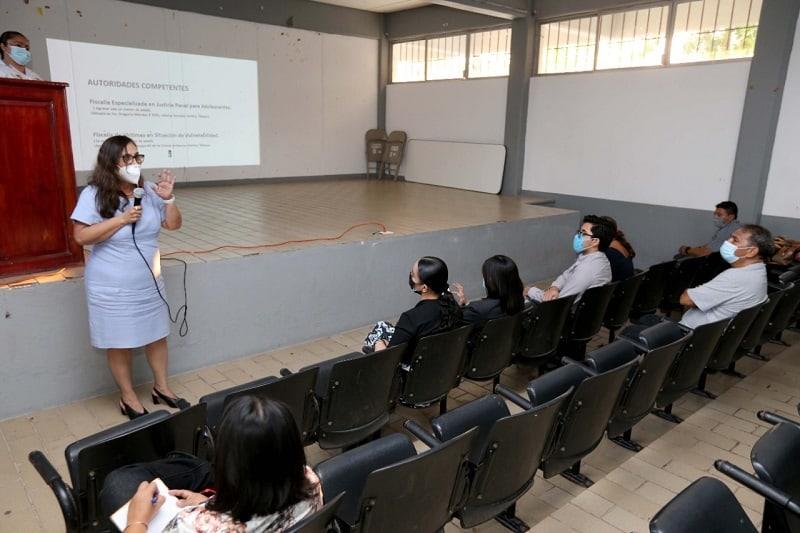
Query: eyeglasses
point(127, 158)
point(584, 234)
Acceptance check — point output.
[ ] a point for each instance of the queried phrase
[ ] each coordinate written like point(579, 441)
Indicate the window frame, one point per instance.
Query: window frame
point(455, 33)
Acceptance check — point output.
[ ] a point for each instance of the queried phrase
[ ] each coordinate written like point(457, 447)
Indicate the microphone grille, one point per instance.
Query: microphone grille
point(138, 192)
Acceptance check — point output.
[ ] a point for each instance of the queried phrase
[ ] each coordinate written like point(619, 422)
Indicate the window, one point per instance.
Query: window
point(703, 30)
point(489, 53)
point(567, 46)
point(706, 30)
point(633, 38)
point(446, 57)
point(408, 61)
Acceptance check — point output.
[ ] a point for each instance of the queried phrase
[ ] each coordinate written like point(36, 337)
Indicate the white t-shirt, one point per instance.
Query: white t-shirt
point(734, 290)
point(11, 72)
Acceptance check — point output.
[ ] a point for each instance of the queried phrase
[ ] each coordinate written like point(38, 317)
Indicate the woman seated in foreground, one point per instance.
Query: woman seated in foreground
point(261, 478)
point(436, 311)
point(503, 292)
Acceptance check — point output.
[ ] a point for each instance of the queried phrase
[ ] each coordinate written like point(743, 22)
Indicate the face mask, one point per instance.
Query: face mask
point(20, 55)
point(728, 251)
point(484, 284)
point(412, 284)
point(577, 243)
point(718, 222)
point(131, 173)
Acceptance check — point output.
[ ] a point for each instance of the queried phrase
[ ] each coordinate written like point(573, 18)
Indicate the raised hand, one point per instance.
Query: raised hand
point(166, 181)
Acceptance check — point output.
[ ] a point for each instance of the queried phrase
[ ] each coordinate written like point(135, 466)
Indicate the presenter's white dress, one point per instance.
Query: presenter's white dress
point(125, 310)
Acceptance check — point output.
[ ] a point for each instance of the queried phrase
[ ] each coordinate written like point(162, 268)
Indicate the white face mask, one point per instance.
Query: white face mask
point(131, 173)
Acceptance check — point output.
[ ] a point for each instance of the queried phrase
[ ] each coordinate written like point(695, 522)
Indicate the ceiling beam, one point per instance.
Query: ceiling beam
point(505, 9)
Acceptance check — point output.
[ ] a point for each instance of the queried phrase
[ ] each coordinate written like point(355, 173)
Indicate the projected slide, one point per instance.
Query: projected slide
point(183, 110)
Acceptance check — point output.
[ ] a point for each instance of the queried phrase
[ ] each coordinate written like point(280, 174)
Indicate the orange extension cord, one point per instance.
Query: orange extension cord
point(284, 243)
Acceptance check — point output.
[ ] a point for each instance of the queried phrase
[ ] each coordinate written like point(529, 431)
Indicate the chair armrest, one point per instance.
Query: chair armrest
point(774, 419)
point(62, 491)
point(773, 494)
point(513, 397)
point(567, 360)
point(418, 431)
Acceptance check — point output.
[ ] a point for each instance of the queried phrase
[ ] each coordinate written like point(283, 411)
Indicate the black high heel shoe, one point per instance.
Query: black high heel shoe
point(128, 411)
point(175, 403)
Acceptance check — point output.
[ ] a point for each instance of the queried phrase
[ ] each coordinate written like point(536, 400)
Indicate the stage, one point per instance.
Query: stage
point(261, 296)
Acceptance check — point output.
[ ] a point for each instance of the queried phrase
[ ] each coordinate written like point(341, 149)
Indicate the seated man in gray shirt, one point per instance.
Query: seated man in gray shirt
point(591, 269)
point(726, 223)
point(737, 288)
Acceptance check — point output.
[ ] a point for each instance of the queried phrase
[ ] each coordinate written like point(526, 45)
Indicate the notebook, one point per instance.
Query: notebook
point(166, 513)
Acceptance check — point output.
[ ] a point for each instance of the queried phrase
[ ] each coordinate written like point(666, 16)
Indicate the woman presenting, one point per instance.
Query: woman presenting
point(125, 308)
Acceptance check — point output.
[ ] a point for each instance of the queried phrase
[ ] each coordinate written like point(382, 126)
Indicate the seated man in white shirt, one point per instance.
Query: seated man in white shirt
point(591, 269)
point(15, 54)
point(737, 288)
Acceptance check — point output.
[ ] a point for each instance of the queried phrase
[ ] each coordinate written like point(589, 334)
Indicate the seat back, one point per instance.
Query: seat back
point(706, 505)
point(540, 330)
point(688, 366)
point(713, 266)
point(584, 419)
point(347, 473)
point(148, 438)
point(641, 388)
point(436, 367)
point(215, 401)
point(619, 307)
point(297, 392)
point(505, 454)
point(587, 319)
point(359, 397)
point(774, 458)
point(753, 336)
point(321, 521)
point(782, 315)
point(490, 349)
point(732, 337)
point(418, 494)
point(651, 291)
point(680, 278)
point(376, 145)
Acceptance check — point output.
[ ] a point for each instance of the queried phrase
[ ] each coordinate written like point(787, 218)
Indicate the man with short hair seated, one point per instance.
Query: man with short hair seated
point(737, 288)
point(726, 223)
point(591, 269)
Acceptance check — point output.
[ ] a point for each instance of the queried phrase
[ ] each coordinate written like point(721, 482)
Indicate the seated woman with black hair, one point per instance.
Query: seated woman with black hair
point(503, 292)
point(436, 311)
point(261, 478)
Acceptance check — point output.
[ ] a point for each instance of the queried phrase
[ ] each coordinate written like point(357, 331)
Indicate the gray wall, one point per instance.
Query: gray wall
point(244, 306)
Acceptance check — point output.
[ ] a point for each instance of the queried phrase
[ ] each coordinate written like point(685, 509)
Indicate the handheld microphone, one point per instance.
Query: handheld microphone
point(138, 192)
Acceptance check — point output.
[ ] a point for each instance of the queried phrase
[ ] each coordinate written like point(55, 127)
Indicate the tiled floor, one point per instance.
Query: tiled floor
point(629, 487)
point(262, 216)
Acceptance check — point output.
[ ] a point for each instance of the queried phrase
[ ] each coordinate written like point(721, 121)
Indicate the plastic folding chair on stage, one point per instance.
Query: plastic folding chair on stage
point(375, 151)
point(395, 150)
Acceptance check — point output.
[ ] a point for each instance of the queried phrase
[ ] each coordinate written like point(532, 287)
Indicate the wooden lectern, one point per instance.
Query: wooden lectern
point(37, 178)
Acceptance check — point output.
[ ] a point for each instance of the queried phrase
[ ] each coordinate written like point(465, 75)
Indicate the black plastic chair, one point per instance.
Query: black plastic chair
point(651, 291)
point(656, 350)
point(295, 390)
point(436, 367)
point(491, 349)
point(582, 422)
point(750, 345)
point(782, 316)
point(540, 331)
point(323, 521)
point(678, 279)
point(706, 505)
point(586, 320)
point(722, 357)
point(356, 396)
point(688, 366)
point(91, 459)
point(621, 303)
point(504, 458)
point(390, 488)
point(713, 267)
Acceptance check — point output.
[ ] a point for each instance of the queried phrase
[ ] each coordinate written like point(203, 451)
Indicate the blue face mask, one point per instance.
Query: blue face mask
point(20, 55)
point(577, 243)
point(718, 222)
point(728, 252)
